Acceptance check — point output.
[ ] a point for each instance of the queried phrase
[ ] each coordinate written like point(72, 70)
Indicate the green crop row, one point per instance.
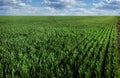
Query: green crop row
point(58, 47)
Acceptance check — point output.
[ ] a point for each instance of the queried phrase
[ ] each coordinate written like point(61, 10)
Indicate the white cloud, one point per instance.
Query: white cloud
point(22, 4)
point(108, 5)
point(63, 4)
point(60, 7)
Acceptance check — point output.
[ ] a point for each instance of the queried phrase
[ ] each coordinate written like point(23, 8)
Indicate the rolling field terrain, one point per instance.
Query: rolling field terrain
point(58, 47)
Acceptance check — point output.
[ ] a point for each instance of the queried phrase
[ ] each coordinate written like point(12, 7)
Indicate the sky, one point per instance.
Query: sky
point(60, 7)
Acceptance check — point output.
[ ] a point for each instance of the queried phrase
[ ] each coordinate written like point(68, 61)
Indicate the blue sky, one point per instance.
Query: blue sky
point(60, 7)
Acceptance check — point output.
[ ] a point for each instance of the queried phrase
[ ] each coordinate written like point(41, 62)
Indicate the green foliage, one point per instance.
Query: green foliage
point(58, 47)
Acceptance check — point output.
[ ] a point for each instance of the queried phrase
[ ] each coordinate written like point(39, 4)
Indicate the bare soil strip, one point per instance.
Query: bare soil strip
point(119, 40)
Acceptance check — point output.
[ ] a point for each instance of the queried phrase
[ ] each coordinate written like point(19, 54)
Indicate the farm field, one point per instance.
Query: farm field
point(59, 47)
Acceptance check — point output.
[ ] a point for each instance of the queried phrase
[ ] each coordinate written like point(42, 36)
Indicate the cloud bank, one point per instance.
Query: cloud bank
point(60, 7)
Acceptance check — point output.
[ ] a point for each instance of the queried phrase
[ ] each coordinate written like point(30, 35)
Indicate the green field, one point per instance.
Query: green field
point(58, 47)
